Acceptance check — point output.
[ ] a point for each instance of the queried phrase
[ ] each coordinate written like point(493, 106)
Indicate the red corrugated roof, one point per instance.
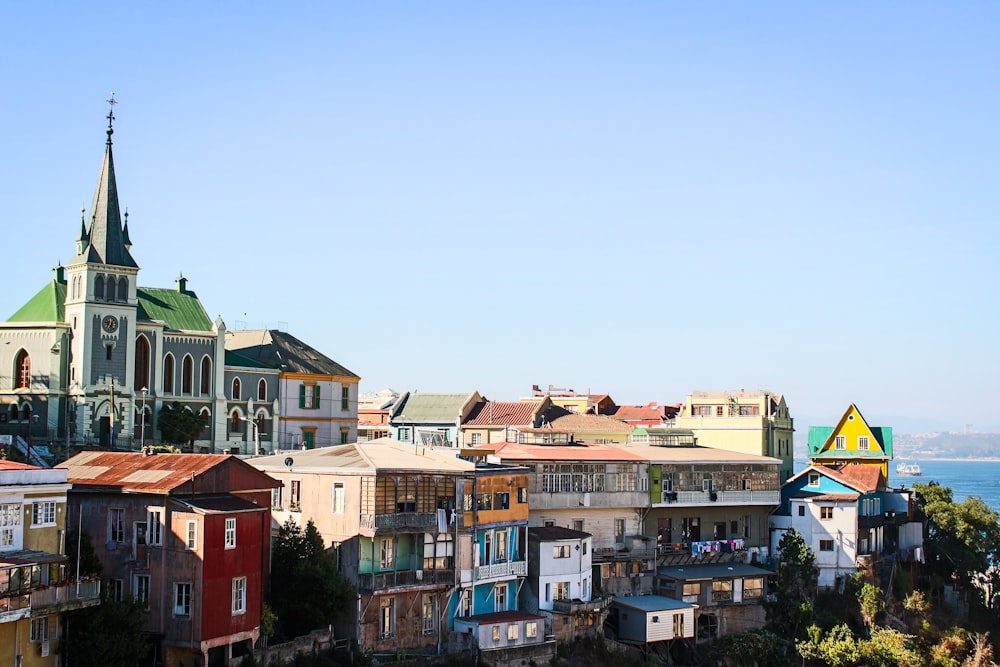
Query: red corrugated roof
point(501, 413)
point(861, 476)
point(13, 465)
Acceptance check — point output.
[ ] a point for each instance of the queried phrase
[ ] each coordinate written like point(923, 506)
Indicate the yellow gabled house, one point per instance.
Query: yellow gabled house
point(851, 441)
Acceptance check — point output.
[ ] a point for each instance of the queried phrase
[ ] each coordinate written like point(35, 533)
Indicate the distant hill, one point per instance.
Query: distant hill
point(947, 445)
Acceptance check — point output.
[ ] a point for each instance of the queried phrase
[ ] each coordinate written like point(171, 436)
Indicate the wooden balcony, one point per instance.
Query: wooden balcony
point(580, 607)
point(383, 581)
point(720, 498)
point(66, 596)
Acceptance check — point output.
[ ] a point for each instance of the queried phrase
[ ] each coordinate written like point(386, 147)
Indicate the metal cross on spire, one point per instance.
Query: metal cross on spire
point(111, 112)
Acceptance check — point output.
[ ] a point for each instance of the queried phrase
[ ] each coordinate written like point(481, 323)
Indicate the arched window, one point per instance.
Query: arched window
point(22, 370)
point(234, 422)
point(187, 374)
point(236, 389)
point(168, 374)
point(99, 288)
point(26, 412)
point(13, 413)
point(207, 418)
point(111, 288)
point(141, 363)
point(206, 375)
point(262, 390)
point(123, 289)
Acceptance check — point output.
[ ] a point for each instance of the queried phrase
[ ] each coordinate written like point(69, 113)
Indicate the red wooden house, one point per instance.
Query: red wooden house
point(188, 535)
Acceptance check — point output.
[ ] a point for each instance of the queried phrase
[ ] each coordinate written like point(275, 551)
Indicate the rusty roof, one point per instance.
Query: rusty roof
point(139, 473)
point(502, 413)
point(515, 451)
point(14, 465)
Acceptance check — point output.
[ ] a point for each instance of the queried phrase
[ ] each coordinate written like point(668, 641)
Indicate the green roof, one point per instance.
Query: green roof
point(180, 310)
point(46, 306)
point(235, 359)
point(431, 408)
point(818, 435)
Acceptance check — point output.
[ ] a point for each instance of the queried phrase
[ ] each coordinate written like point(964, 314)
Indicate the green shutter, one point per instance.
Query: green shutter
point(316, 397)
point(302, 396)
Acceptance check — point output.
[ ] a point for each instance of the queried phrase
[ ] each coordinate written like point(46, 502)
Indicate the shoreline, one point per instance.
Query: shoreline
point(970, 459)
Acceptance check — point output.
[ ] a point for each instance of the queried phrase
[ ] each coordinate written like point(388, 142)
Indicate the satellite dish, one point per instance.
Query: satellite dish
point(289, 461)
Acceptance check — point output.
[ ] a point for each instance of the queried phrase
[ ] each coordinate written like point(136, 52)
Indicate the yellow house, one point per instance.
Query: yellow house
point(35, 588)
point(852, 440)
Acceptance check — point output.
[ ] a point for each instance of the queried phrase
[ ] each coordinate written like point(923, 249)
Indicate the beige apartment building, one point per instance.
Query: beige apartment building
point(749, 422)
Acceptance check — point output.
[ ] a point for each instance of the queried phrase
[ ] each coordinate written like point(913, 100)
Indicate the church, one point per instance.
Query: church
point(94, 359)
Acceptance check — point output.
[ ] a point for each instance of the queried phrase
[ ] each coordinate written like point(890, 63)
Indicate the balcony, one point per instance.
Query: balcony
point(403, 578)
point(406, 521)
point(579, 607)
point(887, 518)
point(721, 497)
point(518, 568)
point(66, 596)
point(14, 607)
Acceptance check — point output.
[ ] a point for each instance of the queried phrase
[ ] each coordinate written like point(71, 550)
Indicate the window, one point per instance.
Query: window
point(345, 436)
point(578, 524)
point(691, 592)
point(862, 442)
point(99, 288)
point(747, 524)
point(826, 545)
point(261, 390)
point(168, 374)
point(522, 494)
point(387, 614)
point(22, 370)
point(802, 510)
point(840, 442)
point(496, 633)
point(561, 590)
point(296, 494)
point(239, 595)
point(501, 546)
point(338, 498)
point(107, 351)
point(512, 632)
point(500, 595)
point(345, 397)
point(10, 518)
point(501, 501)
point(234, 422)
point(276, 498)
point(117, 590)
point(141, 363)
point(826, 512)
point(702, 410)
point(182, 599)
point(626, 481)
point(116, 524)
point(718, 411)
point(309, 396)
point(749, 410)
point(403, 433)
point(187, 374)
point(814, 479)
point(619, 530)
point(236, 389)
point(753, 588)
point(192, 535)
point(678, 625)
point(141, 592)
point(531, 629)
point(560, 551)
point(43, 513)
point(722, 590)
point(231, 532)
point(427, 614)
point(206, 376)
point(477, 439)
point(385, 553)
point(154, 527)
point(40, 635)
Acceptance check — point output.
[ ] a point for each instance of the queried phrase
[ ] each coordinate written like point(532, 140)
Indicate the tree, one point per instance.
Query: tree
point(108, 635)
point(179, 425)
point(963, 539)
point(89, 562)
point(307, 592)
point(791, 610)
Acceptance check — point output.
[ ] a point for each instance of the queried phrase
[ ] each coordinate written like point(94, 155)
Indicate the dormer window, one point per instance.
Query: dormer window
point(814, 479)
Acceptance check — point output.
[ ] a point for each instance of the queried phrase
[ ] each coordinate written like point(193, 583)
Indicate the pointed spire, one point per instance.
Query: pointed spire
point(125, 239)
point(106, 239)
point(84, 238)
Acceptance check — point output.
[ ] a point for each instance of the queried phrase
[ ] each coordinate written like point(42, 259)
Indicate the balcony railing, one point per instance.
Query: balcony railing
point(517, 568)
point(720, 497)
point(405, 520)
point(578, 606)
point(66, 595)
point(388, 580)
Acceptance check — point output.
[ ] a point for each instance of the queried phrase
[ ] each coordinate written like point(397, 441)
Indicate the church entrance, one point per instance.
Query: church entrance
point(104, 432)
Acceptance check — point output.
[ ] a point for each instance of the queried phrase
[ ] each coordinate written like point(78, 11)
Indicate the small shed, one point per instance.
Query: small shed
point(653, 618)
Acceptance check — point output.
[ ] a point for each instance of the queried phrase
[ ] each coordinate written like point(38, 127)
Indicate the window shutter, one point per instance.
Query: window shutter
point(316, 397)
point(302, 396)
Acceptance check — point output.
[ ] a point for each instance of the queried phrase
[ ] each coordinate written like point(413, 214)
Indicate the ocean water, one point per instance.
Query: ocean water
point(964, 478)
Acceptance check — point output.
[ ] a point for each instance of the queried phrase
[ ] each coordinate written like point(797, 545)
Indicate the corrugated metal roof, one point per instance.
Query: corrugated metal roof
point(651, 603)
point(515, 451)
point(711, 571)
point(382, 454)
point(431, 408)
point(48, 305)
point(501, 413)
point(182, 311)
point(502, 617)
point(554, 533)
point(281, 350)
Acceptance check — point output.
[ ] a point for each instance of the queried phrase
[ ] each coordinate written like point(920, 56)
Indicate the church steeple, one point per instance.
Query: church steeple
point(105, 241)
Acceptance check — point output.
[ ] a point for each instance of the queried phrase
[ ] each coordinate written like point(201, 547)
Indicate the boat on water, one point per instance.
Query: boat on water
point(911, 469)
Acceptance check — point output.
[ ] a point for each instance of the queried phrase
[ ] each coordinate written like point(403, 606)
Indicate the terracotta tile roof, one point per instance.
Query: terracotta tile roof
point(502, 413)
point(561, 418)
point(647, 412)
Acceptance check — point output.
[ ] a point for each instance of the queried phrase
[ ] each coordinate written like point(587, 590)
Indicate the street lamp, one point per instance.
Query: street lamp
point(142, 424)
point(34, 420)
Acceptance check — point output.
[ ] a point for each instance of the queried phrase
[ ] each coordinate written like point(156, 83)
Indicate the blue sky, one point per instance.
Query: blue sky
point(635, 198)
